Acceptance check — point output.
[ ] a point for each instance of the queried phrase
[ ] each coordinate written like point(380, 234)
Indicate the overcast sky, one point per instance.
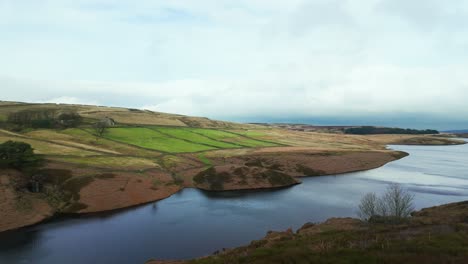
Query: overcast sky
point(391, 62)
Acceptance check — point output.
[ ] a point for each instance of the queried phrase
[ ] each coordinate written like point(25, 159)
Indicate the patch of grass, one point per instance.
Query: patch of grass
point(252, 133)
point(86, 137)
point(204, 159)
point(399, 154)
point(55, 176)
point(75, 207)
point(231, 138)
point(307, 171)
point(277, 178)
point(170, 161)
point(109, 162)
point(74, 185)
point(148, 138)
point(213, 178)
point(155, 183)
point(187, 134)
point(46, 148)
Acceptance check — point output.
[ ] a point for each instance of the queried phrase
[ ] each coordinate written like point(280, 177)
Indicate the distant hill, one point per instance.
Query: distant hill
point(90, 114)
point(134, 156)
point(460, 131)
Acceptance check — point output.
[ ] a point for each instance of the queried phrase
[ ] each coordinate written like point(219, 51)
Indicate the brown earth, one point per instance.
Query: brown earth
point(19, 209)
point(125, 190)
point(265, 169)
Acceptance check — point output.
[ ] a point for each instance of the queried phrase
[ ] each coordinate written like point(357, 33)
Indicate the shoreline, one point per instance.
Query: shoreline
point(366, 163)
point(64, 215)
point(428, 225)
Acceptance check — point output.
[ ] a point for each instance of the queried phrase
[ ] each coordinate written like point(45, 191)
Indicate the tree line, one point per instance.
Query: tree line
point(369, 130)
point(44, 118)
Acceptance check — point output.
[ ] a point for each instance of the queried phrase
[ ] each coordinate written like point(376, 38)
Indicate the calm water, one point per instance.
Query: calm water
point(193, 223)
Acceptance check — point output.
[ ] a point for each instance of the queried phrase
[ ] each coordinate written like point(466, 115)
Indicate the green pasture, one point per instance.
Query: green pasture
point(186, 134)
point(151, 139)
point(231, 138)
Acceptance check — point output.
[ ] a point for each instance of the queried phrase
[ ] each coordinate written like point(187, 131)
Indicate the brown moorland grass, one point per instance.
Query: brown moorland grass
point(157, 174)
point(110, 162)
point(49, 148)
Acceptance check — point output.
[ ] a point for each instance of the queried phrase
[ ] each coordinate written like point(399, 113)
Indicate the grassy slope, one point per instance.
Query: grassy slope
point(155, 152)
point(188, 134)
point(152, 139)
point(233, 138)
point(123, 115)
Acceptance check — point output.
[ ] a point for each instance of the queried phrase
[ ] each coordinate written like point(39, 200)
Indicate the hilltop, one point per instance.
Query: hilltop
point(143, 156)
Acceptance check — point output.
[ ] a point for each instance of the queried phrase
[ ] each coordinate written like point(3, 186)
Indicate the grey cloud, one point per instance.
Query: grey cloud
point(428, 14)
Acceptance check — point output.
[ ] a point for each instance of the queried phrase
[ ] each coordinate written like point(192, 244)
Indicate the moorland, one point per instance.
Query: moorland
point(97, 158)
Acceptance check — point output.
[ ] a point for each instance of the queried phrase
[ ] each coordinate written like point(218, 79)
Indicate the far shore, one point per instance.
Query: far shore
point(261, 163)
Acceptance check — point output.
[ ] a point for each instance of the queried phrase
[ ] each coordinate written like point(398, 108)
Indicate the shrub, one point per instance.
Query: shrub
point(397, 202)
point(368, 206)
point(69, 119)
point(215, 179)
point(17, 155)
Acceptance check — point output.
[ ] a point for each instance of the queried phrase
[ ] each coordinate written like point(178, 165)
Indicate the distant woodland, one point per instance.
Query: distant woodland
point(370, 130)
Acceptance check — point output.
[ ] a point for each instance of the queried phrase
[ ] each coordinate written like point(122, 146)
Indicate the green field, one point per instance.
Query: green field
point(231, 138)
point(186, 134)
point(252, 133)
point(86, 137)
point(151, 139)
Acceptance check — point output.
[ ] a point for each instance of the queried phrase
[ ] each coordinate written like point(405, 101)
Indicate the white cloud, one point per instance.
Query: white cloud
point(68, 100)
point(240, 58)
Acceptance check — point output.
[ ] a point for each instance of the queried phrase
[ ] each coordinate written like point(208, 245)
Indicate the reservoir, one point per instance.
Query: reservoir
point(194, 223)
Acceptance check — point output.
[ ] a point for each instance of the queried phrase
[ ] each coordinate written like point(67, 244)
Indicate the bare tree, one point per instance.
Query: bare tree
point(398, 201)
point(100, 128)
point(368, 206)
point(395, 204)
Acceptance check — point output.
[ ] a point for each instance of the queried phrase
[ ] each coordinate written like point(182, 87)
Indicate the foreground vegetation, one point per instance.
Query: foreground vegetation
point(433, 235)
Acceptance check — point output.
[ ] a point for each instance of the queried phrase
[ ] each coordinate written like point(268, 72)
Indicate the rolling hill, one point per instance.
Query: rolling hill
point(143, 156)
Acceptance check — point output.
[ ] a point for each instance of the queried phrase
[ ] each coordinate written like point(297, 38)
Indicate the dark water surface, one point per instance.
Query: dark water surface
point(193, 223)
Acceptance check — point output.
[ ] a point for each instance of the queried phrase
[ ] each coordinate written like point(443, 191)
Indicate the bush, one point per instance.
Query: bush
point(69, 119)
point(395, 204)
point(17, 155)
point(368, 206)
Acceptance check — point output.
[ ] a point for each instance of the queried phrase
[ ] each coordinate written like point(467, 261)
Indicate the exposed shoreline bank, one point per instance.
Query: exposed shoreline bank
point(50, 215)
point(260, 169)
